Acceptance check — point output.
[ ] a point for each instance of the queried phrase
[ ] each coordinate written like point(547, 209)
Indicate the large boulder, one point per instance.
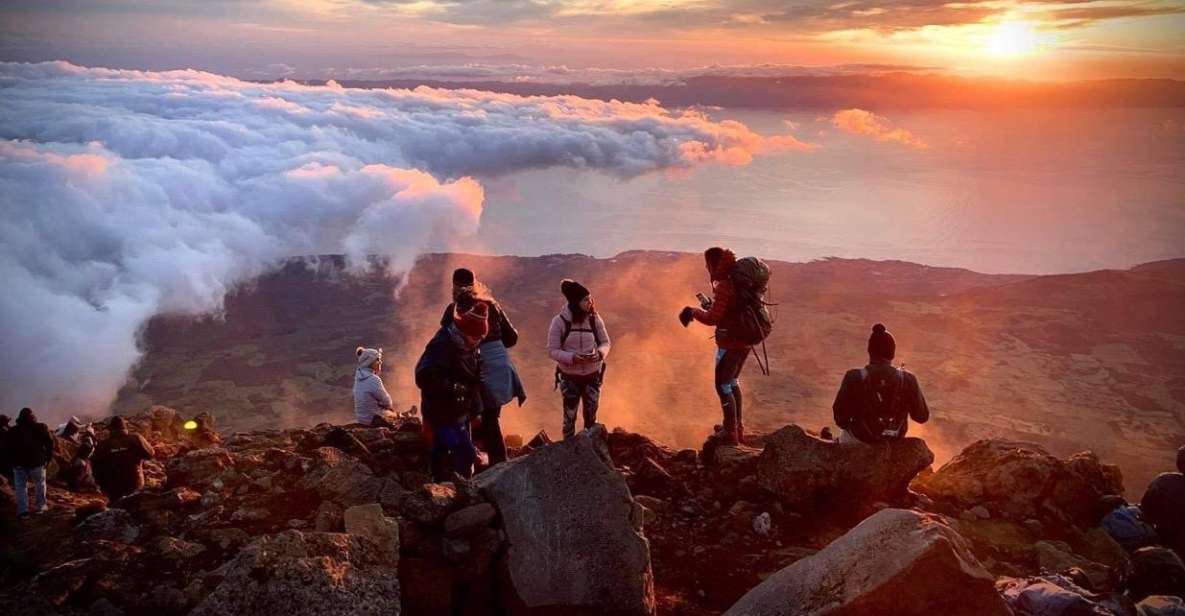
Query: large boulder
point(806, 472)
point(307, 574)
point(575, 537)
point(1023, 480)
point(895, 563)
point(341, 478)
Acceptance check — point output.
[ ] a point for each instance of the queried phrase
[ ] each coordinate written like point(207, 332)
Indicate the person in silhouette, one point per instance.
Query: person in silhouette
point(499, 377)
point(448, 374)
point(30, 446)
point(579, 343)
point(5, 463)
point(371, 399)
point(876, 402)
point(1163, 506)
point(118, 462)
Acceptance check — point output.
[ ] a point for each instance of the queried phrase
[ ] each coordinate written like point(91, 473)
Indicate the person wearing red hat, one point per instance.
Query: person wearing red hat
point(449, 377)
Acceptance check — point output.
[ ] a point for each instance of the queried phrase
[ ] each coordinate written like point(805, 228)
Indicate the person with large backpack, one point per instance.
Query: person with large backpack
point(579, 343)
point(875, 403)
point(499, 376)
point(738, 311)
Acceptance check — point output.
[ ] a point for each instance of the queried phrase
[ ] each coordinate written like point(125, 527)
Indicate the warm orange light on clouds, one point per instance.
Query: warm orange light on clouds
point(1012, 38)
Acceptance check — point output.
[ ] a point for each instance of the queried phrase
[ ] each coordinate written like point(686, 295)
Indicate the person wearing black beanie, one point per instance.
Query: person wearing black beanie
point(876, 402)
point(579, 343)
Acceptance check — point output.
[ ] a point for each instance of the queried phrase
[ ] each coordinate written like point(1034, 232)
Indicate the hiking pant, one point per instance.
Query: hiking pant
point(452, 441)
point(21, 478)
point(728, 370)
point(491, 434)
point(577, 392)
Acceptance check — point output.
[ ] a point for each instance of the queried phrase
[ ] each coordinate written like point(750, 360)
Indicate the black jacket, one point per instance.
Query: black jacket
point(500, 326)
point(449, 379)
point(28, 444)
point(852, 406)
point(117, 463)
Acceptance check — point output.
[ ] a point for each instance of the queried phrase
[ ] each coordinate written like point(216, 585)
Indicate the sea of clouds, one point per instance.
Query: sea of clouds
point(127, 194)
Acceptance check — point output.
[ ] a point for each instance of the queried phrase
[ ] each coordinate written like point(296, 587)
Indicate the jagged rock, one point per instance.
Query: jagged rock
point(1057, 557)
point(228, 538)
point(540, 439)
point(306, 574)
point(896, 562)
point(341, 478)
point(546, 501)
point(632, 450)
point(469, 519)
point(650, 502)
point(391, 495)
point(1160, 605)
point(431, 503)
point(1022, 480)
point(369, 522)
point(1156, 571)
point(199, 468)
point(803, 471)
point(176, 549)
point(148, 501)
point(110, 525)
point(328, 518)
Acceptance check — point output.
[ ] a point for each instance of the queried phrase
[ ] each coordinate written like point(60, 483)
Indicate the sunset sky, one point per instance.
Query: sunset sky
point(1042, 40)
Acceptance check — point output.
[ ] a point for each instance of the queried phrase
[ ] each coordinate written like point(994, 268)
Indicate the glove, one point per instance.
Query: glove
point(686, 315)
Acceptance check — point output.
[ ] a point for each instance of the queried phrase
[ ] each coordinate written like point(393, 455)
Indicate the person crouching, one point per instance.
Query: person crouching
point(449, 377)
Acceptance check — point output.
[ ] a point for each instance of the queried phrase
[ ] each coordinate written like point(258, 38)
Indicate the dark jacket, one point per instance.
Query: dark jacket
point(449, 378)
point(29, 444)
point(117, 464)
point(500, 326)
point(724, 304)
point(853, 407)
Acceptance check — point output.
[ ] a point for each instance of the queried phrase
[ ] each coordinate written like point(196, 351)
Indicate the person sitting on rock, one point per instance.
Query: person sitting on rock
point(448, 374)
point(579, 343)
point(499, 377)
point(118, 462)
point(875, 403)
point(1164, 506)
point(370, 396)
point(30, 446)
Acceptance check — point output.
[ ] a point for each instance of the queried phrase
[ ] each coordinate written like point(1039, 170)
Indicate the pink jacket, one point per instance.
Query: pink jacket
point(578, 342)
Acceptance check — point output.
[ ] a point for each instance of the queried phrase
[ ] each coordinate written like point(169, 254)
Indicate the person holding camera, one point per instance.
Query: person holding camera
point(876, 402)
point(449, 377)
point(579, 343)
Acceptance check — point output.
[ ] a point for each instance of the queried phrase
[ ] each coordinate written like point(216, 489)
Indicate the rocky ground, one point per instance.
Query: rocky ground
point(332, 519)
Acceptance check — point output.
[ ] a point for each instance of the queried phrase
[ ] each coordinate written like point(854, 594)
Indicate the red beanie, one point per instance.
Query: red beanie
point(475, 323)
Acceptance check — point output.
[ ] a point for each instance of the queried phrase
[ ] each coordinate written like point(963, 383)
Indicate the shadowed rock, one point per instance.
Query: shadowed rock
point(574, 532)
point(896, 562)
point(806, 472)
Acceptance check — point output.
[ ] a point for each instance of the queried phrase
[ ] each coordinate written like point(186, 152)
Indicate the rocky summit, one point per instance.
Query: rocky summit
point(345, 520)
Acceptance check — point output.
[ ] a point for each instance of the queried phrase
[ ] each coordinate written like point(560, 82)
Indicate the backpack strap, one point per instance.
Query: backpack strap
point(567, 331)
point(592, 324)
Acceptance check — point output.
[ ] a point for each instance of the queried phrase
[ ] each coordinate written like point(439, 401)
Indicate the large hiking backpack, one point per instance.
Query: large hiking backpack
point(749, 320)
point(882, 414)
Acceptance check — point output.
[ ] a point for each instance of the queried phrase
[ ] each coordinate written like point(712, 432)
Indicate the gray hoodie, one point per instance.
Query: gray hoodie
point(370, 397)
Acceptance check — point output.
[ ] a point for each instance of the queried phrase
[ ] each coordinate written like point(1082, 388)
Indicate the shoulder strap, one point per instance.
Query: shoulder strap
point(567, 330)
point(592, 324)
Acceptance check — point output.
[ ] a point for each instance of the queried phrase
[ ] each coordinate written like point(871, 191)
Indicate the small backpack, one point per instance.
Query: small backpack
point(592, 329)
point(882, 414)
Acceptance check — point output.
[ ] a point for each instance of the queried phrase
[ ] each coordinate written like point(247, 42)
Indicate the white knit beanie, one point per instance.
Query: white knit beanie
point(366, 357)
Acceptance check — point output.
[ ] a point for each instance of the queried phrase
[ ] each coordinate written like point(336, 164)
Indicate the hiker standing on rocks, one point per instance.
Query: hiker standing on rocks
point(370, 396)
point(118, 462)
point(449, 377)
point(5, 462)
point(738, 312)
point(29, 445)
point(499, 377)
point(875, 403)
point(579, 343)
point(1163, 506)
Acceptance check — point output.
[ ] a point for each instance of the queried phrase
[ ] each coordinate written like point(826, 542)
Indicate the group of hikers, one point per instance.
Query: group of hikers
point(466, 375)
point(113, 465)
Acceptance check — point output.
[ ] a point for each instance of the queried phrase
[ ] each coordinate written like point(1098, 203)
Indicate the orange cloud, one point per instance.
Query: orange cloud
point(862, 122)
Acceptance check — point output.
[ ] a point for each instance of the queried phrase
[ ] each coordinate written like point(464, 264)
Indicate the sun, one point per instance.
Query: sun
point(1012, 38)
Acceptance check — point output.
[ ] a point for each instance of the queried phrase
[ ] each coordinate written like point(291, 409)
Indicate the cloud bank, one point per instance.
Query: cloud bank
point(862, 122)
point(127, 194)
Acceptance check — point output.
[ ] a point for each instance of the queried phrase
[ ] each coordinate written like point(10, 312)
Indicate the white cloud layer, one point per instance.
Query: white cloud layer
point(124, 194)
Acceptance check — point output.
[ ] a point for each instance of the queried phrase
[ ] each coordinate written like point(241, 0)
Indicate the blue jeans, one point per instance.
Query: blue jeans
point(21, 477)
point(455, 441)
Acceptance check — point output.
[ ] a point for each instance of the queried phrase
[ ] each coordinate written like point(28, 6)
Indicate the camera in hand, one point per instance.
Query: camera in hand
point(704, 300)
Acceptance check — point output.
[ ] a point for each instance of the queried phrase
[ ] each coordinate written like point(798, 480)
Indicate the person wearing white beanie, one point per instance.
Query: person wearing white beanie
point(370, 397)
